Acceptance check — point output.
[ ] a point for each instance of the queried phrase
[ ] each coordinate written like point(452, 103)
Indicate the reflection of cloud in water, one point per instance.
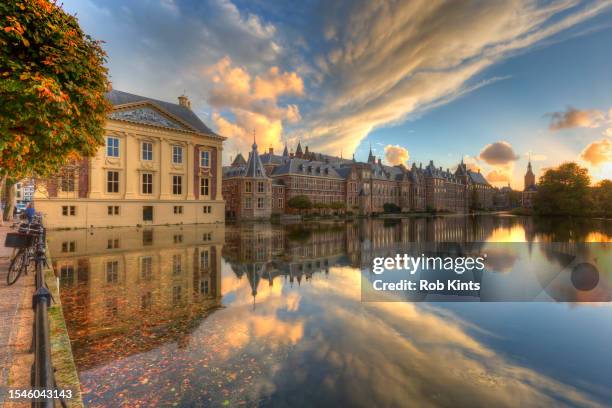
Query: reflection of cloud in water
point(501, 258)
point(383, 354)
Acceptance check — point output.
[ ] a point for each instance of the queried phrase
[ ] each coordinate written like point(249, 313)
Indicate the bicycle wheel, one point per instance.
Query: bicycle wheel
point(18, 265)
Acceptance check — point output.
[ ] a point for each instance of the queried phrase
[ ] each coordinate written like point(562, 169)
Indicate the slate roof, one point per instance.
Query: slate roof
point(268, 158)
point(254, 167)
point(116, 97)
point(306, 167)
point(239, 160)
point(477, 177)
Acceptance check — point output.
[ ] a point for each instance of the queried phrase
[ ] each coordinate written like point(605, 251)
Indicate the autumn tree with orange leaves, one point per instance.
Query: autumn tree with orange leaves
point(52, 91)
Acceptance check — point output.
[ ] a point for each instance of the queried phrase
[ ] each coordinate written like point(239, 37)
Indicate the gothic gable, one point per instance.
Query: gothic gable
point(148, 116)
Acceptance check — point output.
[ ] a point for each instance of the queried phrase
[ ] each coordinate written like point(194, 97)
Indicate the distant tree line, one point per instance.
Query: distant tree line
point(567, 190)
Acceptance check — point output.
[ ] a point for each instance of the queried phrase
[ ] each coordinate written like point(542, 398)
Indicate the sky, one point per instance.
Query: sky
point(490, 83)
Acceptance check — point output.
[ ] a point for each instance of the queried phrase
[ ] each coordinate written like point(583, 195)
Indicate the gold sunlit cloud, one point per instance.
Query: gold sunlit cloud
point(253, 101)
point(395, 155)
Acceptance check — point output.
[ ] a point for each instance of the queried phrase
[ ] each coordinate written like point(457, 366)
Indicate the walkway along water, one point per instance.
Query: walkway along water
point(51, 367)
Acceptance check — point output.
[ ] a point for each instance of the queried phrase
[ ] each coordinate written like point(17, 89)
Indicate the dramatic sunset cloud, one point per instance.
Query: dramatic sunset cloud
point(598, 152)
point(573, 118)
point(331, 73)
point(498, 153)
point(499, 176)
point(362, 92)
point(252, 103)
point(395, 155)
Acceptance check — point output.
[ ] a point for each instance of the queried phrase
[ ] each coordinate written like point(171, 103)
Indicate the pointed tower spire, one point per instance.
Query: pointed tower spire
point(371, 158)
point(286, 151)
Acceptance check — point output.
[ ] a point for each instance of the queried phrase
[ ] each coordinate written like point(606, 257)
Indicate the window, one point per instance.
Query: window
point(204, 260)
point(147, 183)
point(178, 209)
point(280, 203)
point(248, 187)
point(147, 237)
point(147, 151)
point(147, 214)
point(67, 181)
point(177, 266)
point(176, 294)
point(207, 236)
point(204, 287)
point(247, 203)
point(204, 186)
point(207, 209)
point(68, 246)
point(112, 244)
point(68, 210)
point(260, 202)
point(177, 184)
point(112, 181)
point(112, 272)
point(204, 158)
point(178, 238)
point(146, 301)
point(113, 210)
point(112, 146)
point(177, 154)
point(146, 268)
point(260, 186)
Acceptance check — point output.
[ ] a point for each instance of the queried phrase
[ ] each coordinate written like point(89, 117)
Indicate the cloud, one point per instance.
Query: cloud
point(472, 163)
point(498, 153)
point(574, 118)
point(240, 132)
point(356, 67)
point(499, 176)
point(536, 157)
point(384, 62)
point(598, 152)
point(253, 103)
point(395, 155)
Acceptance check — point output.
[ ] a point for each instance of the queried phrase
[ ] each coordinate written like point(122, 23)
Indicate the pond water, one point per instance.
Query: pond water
point(272, 315)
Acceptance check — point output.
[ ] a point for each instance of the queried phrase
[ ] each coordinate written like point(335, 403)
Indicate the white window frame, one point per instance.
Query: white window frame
point(205, 186)
point(204, 158)
point(114, 147)
point(146, 154)
point(177, 184)
point(177, 154)
point(142, 183)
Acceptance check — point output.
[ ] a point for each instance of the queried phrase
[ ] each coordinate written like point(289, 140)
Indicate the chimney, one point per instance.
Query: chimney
point(184, 101)
point(271, 150)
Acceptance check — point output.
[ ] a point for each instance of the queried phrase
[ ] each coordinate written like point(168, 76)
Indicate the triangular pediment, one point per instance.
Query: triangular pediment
point(147, 114)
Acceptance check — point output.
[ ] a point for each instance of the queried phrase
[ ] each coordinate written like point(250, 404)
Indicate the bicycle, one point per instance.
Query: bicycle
point(26, 242)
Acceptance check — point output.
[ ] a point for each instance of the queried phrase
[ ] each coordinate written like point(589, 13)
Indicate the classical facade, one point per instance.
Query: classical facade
point(160, 165)
point(530, 189)
point(336, 184)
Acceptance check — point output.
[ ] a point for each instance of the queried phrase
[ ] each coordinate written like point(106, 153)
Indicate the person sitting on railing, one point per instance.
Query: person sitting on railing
point(30, 212)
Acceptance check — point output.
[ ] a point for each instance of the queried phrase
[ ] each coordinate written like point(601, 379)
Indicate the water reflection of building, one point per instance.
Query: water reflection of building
point(264, 252)
point(136, 287)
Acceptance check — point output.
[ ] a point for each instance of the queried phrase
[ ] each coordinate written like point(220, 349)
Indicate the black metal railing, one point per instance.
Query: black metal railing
point(43, 377)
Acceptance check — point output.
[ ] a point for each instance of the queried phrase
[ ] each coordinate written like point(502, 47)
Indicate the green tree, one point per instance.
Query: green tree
point(564, 191)
point(602, 198)
point(474, 200)
point(300, 203)
point(52, 87)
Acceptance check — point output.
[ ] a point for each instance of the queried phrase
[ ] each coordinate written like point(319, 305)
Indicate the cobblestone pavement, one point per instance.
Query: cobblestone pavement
point(10, 300)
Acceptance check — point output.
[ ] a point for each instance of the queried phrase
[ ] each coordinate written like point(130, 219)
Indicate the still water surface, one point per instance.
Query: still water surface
point(261, 314)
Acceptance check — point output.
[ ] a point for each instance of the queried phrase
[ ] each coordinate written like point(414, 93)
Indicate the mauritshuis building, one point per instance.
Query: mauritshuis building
point(160, 165)
point(262, 185)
